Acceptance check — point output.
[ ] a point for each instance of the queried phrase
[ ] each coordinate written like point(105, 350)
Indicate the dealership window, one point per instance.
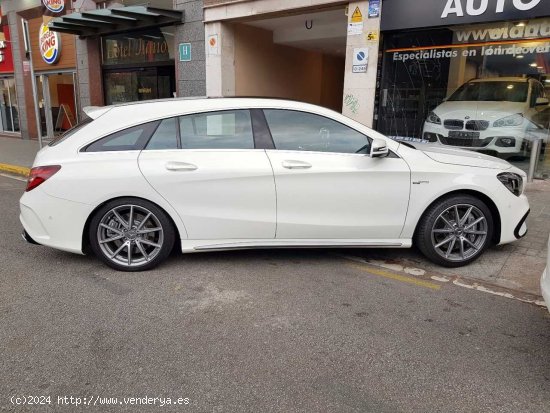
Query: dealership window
point(483, 87)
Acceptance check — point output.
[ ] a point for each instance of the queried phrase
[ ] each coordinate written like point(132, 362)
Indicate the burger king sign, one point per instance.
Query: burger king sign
point(56, 6)
point(50, 44)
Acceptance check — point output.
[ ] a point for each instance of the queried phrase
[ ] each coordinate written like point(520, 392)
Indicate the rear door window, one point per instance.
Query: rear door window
point(230, 129)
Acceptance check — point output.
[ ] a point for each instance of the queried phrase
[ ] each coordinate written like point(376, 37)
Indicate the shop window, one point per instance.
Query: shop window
point(480, 87)
point(301, 131)
point(217, 130)
point(165, 137)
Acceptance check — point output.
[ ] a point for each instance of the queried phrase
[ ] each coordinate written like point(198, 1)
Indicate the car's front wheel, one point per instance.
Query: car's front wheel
point(131, 234)
point(455, 230)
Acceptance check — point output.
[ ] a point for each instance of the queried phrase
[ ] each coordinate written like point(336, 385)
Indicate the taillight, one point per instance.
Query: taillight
point(40, 174)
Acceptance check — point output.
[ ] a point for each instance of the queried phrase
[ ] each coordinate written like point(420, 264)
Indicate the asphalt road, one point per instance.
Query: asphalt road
point(258, 331)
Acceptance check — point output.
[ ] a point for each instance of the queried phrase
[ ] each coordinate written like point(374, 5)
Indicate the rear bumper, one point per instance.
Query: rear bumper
point(26, 237)
point(53, 222)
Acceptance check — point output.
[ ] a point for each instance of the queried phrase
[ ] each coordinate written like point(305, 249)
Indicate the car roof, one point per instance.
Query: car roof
point(160, 108)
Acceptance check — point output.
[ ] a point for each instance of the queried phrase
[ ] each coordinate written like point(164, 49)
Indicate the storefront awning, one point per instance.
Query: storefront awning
point(108, 21)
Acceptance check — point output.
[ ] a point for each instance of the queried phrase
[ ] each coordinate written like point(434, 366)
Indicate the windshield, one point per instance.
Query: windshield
point(491, 92)
point(69, 132)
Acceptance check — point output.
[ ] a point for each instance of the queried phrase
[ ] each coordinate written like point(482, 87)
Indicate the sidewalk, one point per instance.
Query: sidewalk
point(16, 154)
point(516, 266)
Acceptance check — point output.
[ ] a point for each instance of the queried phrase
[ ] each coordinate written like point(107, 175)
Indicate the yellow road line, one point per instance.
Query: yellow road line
point(396, 277)
point(14, 169)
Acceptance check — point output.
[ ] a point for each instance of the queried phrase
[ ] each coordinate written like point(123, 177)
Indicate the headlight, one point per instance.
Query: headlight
point(433, 118)
point(513, 182)
point(512, 120)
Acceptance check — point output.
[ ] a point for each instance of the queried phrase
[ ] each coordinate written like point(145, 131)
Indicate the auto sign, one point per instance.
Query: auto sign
point(54, 5)
point(50, 45)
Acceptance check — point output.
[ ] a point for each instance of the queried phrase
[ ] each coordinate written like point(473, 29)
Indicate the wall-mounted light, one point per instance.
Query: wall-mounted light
point(519, 56)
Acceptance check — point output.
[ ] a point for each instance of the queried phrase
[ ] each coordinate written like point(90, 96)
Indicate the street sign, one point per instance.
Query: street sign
point(185, 52)
point(360, 60)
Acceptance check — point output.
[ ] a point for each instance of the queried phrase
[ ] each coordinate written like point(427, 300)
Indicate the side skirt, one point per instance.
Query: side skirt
point(191, 246)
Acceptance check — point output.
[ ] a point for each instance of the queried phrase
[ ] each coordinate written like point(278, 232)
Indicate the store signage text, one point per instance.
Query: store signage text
point(55, 6)
point(530, 31)
point(50, 45)
point(3, 45)
point(478, 7)
point(512, 50)
point(136, 48)
point(404, 14)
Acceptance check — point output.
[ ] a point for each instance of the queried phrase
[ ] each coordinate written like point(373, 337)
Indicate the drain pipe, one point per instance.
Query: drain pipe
point(33, 83)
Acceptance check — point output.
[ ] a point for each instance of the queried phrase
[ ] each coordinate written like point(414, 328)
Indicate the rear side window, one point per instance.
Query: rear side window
point(231, 129)
point(130, 139)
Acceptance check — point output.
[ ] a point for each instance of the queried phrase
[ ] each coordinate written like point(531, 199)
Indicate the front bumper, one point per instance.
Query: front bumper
point(513, 216)
point(490, 140)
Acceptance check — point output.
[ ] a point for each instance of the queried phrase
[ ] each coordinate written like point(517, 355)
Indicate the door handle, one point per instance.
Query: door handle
point(291, 164)
point(180, 166)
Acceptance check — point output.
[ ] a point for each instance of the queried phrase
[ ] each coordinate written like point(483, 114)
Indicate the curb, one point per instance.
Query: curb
point(460, 281)
point(14, 169)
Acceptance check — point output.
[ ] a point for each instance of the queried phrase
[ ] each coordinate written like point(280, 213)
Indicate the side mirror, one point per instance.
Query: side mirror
point(542, 102)
point(379, 148)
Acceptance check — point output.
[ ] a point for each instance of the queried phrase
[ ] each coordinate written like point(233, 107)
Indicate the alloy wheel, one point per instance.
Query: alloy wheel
point(130, 235)
point(459, 232)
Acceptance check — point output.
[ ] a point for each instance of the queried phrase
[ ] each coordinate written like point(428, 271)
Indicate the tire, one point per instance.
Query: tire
point(141, 246)
point(444, 242)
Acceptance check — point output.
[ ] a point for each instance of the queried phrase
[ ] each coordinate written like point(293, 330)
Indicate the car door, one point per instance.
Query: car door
point(207, 167)
point(325, 190)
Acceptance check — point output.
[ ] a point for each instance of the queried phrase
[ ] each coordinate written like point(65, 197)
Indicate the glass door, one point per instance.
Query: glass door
point(9, 113)
point(57, 103)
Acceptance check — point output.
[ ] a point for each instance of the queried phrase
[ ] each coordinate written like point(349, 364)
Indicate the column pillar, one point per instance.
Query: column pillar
point(89, 74)
point(360, 88)
point(220, 61)
point(23, 80)
point(190, 76)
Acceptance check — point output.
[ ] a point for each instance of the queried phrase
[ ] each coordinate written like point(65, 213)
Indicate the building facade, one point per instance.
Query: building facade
point(394, 65)
point(127, 52)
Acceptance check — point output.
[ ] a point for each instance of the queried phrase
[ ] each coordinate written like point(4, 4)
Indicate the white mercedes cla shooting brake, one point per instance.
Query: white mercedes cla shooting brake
point(222, 174)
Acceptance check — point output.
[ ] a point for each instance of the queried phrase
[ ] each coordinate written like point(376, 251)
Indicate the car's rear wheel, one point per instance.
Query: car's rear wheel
point(131, 234)
point(455, 230)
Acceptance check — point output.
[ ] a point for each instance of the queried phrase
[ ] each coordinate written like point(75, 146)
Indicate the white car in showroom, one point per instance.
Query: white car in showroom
point(233, 173)
point(498, 116)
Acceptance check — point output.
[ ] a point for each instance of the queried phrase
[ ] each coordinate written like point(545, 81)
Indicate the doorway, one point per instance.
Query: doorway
point(56, 102)
point(299, 56)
